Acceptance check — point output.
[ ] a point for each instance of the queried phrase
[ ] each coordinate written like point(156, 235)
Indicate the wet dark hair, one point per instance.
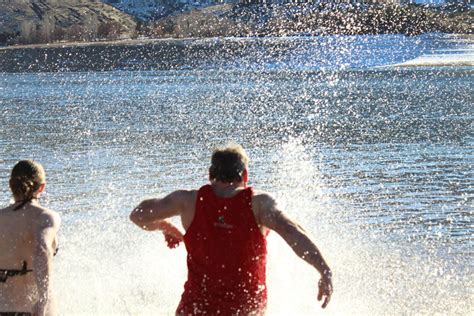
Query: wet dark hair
point(228, 163)
point(26, 178)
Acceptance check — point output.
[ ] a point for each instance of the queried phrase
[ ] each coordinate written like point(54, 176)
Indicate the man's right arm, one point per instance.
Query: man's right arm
point(269, 215)
point(152, 214)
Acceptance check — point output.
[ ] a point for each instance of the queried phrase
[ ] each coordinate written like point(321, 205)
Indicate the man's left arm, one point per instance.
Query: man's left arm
point(270, 216)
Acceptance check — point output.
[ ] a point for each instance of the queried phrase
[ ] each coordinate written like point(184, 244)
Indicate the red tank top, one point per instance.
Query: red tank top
point(226, 257)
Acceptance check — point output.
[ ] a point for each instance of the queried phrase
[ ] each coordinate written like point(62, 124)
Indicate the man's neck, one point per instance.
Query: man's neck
point(225, 189)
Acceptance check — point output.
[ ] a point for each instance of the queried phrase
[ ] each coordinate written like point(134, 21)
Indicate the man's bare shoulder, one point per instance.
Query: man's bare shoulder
point(185, 198)
point(184, 194)
point(180, 196)
point(190, 197)
point(263, 200)
point(265, 208)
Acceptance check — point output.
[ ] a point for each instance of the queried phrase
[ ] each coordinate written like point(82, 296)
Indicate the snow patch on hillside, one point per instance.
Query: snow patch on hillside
point(147, 10)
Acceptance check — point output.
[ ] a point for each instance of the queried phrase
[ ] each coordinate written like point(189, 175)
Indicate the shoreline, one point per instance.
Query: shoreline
point(145, 41)
point(118, 42)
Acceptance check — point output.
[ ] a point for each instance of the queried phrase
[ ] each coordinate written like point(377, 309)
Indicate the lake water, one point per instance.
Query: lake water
point(374, 161)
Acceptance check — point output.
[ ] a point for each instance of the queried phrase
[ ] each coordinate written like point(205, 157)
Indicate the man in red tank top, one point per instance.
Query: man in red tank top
point(226, 224)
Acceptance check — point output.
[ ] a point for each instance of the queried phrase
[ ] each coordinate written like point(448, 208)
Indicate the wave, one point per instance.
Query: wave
point(461, 55)
point(440, 60)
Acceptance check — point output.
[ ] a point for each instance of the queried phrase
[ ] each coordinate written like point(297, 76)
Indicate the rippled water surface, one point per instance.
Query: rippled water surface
point(375, 162)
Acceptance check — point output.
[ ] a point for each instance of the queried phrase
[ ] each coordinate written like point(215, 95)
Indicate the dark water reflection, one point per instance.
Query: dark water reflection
point(277, 53)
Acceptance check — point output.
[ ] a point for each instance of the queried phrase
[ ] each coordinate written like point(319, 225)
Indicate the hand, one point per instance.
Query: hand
point(172, 241)
point(325, 289)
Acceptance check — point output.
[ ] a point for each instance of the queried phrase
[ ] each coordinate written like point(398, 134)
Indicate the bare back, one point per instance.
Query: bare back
point(22, 233)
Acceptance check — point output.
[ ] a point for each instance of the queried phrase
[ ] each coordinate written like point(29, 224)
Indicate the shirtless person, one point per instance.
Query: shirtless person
point(27, 244)
point(226, 224)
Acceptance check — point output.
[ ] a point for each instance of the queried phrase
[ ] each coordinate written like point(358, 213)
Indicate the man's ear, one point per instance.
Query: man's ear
point(245, 175)
point(210, 178)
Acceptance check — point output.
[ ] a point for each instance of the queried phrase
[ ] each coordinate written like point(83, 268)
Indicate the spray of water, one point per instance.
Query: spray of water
point(107, 266)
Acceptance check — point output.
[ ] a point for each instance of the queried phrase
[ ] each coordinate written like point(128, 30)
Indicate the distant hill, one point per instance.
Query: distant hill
point(46, 21)
point(42, 21)
point(151, 10)
point(313, 19)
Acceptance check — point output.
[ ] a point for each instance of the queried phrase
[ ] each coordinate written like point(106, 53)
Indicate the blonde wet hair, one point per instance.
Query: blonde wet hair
point(26, 178)
point(228, 163)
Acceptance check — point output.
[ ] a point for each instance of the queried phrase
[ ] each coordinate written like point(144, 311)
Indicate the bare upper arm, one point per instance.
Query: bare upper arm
point(268, 214)
point(157, 209)
point(46, 230)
